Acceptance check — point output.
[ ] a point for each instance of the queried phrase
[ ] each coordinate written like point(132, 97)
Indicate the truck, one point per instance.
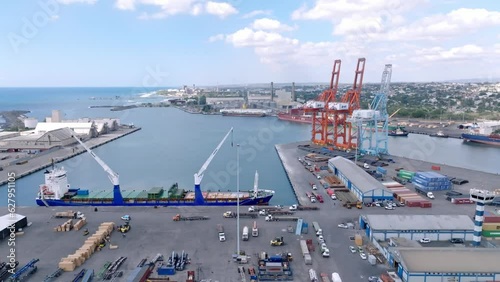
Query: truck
point(255, 230)
point(324, 277)
point(230, 214)
point(281, 218)
point(275, 212)
point(312, 275)
point(317, 229)
point(429, 194)
point(178, 217)
point(220, 231)
point(244, 236)
point(190, 276)
point(359, 205)
point(336, 277)
point(305, 252)
point(302, 208)
point(69, 214)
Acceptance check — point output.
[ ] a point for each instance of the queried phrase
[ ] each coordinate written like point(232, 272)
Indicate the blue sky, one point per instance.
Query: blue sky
point(177, 42)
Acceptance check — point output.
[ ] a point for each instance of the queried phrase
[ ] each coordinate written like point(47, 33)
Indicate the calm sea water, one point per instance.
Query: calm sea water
point(173, 145)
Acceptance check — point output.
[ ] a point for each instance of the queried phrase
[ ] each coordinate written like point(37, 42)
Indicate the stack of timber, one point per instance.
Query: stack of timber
point(71, 262)
point(67, 226)
point(79, 224)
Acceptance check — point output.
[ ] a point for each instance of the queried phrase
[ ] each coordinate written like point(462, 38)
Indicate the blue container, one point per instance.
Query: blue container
point(382, 170)
point(166, 270)
point(275, 259)
point(82, 192)
point(305, 228)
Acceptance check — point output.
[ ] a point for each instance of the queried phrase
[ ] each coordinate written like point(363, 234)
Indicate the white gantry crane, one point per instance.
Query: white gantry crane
point(198, 196)
point(113, 176)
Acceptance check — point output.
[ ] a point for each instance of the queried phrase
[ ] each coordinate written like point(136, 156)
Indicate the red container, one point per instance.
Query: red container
point(436, 167)
point(425, 204)
point(492, 219)
point(459, 201)
point(413, 203)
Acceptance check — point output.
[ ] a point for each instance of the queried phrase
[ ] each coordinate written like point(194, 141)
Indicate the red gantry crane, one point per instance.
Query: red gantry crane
point(319, 108)
point(343, 135)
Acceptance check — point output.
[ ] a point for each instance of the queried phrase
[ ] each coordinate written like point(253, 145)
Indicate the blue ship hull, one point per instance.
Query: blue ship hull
point(483, 139)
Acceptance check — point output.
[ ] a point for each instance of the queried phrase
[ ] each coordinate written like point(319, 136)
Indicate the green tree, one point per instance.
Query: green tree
point(202, 100)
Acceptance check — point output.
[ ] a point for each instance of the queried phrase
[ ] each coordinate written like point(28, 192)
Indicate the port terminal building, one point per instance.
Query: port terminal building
point(447, 264)
point(366, 188)
point(382, 227)
point(11, 223)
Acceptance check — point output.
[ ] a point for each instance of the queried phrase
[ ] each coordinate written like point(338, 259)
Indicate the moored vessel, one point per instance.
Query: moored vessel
point(491, 139)
point(244, 112)
point(57, 192)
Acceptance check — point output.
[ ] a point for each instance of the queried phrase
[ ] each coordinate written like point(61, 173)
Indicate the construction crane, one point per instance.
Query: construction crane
point(198, 196)
point(343, 137)
point(319, 108)
point(373, 124)
point(113, 176)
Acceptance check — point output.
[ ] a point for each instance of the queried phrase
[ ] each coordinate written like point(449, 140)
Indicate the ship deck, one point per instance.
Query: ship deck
point(157, 193)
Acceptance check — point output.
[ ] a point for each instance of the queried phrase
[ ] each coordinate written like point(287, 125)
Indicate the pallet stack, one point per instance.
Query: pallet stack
point(71, 262)
point(67, 226)
point(79, 224)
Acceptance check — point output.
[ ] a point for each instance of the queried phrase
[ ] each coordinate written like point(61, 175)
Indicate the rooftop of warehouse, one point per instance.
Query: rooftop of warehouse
point(419, 222)
point(358, 176)
point(450, 260)
point(9, 219)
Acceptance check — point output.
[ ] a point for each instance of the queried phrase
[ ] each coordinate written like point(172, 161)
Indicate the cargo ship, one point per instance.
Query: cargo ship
point(57, 192)
point(244, 112)
point(296, 115)
point(491, 139)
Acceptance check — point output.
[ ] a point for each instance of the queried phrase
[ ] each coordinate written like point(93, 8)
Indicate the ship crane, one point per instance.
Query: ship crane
point(199, 175)
point(113, 176)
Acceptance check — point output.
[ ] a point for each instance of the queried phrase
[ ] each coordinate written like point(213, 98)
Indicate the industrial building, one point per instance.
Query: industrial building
point(380, 227)
point(80, 128)
point(366, 188)
point(447, 264)
point(41, 141)
point(11, 220)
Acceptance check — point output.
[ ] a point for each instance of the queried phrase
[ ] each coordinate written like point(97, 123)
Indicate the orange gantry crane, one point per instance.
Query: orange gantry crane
point(343, 135)
point(319, 108)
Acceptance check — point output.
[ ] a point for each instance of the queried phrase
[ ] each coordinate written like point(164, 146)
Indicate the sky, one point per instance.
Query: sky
point(153, 43)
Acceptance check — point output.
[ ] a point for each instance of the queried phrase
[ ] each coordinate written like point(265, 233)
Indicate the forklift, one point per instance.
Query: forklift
point(124, 228)
point(278, 241)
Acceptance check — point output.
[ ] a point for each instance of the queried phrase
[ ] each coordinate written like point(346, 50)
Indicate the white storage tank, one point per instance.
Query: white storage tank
point(30, 122)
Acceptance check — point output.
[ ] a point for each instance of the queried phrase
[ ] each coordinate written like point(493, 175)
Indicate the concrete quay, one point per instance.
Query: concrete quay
point(40, 161)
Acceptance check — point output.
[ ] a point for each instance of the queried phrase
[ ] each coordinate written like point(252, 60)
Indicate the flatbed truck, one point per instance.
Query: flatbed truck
point(230, 214)
point(302, 208)
point(281, 218)
point(178, 217)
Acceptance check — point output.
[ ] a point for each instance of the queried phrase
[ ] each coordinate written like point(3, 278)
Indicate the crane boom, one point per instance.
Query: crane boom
point(199, 175)
point(113, 176)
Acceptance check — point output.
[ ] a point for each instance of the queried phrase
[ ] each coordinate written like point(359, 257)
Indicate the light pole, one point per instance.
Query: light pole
point(238, 198)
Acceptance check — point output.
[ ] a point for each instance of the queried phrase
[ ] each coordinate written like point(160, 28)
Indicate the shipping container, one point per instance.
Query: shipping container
point(492, 219)
point(372, 259)
point(435, 167)
point(490, 233)
point(426, 204)
point(358, 240)
point(491, 226)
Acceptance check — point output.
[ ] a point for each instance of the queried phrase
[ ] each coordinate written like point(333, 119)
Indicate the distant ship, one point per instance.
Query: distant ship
point(244, 112)
point(491, 139)
point(57, 192)
point(296, 115)
point(398, 132)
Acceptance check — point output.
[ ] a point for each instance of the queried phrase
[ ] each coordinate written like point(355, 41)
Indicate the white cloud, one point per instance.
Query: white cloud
point(54, 17)
point(67, 2)
point(125, 4)
point(220, 9)
point(257, 13)
point(168, 8)
point(456, 22)
point(248, 37)
point(270, 24)
point(337, 9)
point(466, 52)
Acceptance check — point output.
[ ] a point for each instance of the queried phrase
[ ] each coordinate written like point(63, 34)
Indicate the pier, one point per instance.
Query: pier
point(43, 160)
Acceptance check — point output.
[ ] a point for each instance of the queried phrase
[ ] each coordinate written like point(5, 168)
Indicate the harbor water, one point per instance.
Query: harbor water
point(173, 145)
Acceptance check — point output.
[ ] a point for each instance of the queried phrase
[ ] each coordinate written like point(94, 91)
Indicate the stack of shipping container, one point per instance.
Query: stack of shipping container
point(431, 181)
point(491, 225)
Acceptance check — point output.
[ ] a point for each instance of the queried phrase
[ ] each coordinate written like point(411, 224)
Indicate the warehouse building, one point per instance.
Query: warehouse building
point(380, 227)
point(11, 220)
point(366, 188)
point(447, 264)
point(42, 141)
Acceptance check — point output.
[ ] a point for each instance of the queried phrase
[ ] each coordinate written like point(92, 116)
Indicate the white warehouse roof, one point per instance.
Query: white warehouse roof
point(419, 222)
point(358, 176)
point(77, 127)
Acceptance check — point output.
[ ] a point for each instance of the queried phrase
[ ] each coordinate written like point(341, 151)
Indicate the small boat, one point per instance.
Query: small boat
point(439, 134)
point(398, 133)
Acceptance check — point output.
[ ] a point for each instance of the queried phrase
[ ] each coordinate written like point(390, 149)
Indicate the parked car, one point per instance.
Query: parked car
point(352, 249)
point(342, 225)
point(126, 217)
point(362, 255)
point(360, 249)
point(372, 279)
point(389, 207)
point(425, 240)
point(456, 240)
